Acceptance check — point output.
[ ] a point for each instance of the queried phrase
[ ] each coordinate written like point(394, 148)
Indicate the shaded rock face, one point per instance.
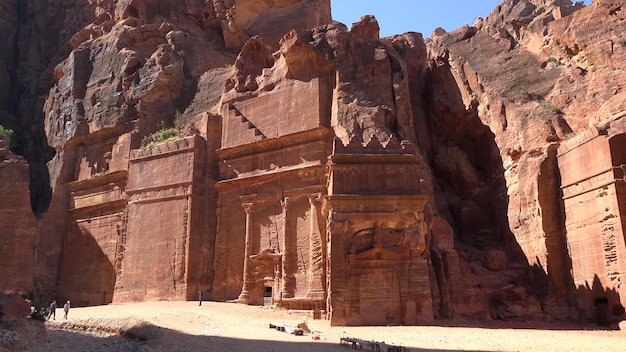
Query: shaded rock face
point(8, 26)
point(19, 224)
point(14, 306)
point(19, 334)
point(381, 181)
point(529, 107)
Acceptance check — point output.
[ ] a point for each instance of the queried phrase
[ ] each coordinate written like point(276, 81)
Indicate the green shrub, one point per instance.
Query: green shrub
point(5, 133)
point(548, 105)
point(399, 47)
point(179, 122)
point(596, 68)
point(622, 43)
point(160, 136)
point(555, 60)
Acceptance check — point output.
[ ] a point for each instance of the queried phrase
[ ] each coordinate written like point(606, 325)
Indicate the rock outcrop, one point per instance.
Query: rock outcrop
point(376, 180)
point(18, 239)
point(22, 334)
point(532, 97)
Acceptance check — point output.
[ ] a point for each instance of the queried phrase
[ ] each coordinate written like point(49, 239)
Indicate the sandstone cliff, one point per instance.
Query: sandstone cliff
point(531, 72)
point(481, 132)
point(16, 217)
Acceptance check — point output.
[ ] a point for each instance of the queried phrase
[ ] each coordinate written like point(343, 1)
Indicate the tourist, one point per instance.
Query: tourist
point(199, 298)
point(66, 309)
point(53, 310)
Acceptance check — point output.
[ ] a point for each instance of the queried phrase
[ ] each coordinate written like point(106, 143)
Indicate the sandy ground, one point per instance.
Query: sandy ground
point(185, 326)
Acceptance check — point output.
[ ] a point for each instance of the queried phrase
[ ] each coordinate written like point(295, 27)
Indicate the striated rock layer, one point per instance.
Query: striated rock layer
point(477, 174)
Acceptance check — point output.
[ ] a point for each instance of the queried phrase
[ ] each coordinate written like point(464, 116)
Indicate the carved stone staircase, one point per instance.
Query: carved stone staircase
point(255, 134)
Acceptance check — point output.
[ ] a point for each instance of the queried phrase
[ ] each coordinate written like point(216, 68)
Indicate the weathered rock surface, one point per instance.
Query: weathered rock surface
point(14, 306)
point(531, 97)
point(269, 20)
point(18, 235)
point(20, 334)
point(383, 181)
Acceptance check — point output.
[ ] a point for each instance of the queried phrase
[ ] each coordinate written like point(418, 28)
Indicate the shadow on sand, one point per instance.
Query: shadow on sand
point(151, 338)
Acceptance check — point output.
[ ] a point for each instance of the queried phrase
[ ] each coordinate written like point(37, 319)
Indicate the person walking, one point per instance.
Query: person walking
point(199, 298)
point(66, 309)
point(53, 310)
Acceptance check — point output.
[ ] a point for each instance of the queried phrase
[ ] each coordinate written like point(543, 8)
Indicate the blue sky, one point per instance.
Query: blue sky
point(399, 16)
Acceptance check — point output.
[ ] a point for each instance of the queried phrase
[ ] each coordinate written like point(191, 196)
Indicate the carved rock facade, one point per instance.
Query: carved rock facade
point(472, 175)
point(593, 194)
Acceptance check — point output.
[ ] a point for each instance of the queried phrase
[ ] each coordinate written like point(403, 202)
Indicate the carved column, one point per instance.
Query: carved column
point(338, 285)
point(287, 277)
point(316, 254)
point(218, 276)
point(244, 296)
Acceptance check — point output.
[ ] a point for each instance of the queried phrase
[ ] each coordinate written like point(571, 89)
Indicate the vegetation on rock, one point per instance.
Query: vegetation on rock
point(5, 133)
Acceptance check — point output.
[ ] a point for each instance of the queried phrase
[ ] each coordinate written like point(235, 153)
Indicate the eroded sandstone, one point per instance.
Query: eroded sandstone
point(320, 168)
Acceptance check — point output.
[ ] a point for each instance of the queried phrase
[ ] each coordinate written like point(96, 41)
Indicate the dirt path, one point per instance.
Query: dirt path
point(184, 326)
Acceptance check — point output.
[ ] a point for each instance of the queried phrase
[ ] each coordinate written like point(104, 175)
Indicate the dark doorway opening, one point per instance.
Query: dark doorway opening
point(602, 310)
point(267, 296)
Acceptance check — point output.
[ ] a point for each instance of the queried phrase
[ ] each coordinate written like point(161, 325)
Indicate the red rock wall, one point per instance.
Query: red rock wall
point(90, 251)
point(595, 194)
point(93, 243)
point(155, 264)
point(488, 105)
point(268, 19)
point(229, 249)
point(164, 243)
point(18, 224)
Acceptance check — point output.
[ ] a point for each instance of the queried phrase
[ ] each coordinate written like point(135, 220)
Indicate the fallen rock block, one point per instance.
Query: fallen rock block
point(294, 330)
point(359, 344)
point(14, 306)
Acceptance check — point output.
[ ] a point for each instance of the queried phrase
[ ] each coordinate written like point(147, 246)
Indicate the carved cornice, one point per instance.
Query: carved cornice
point(371, 204)
point(311, 173)
point(374, 146)
point(98, 136)
point(263, 146)
point(233, 174)
point(171, 147)
point(248, 207)
point(261, 198)
point(99, 180)
point(315, 198)
point(160, 194)
point(97, 196)
point(249, 202)
point(591, 183)
point(100, 209)
point(266, 254)
point(383, 199)
point(305, 191)
point(187, 184)
point(579, 140)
